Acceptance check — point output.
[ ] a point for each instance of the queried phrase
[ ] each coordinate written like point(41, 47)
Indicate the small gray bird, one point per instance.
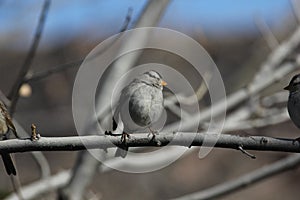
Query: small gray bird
point(140, 105)
point(6, 125)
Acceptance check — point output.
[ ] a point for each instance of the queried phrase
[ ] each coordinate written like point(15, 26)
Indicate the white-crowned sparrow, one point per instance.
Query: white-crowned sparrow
point(140, 105)
point(6, 125)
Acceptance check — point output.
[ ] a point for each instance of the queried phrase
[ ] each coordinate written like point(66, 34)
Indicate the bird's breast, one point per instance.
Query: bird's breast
point(294, 108)
point(146, 109)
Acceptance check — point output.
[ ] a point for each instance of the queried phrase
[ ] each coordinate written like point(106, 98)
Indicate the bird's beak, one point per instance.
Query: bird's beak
point(287, 87)
point(163, 83)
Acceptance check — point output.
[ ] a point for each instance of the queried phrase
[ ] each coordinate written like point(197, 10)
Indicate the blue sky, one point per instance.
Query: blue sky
point(96, 19)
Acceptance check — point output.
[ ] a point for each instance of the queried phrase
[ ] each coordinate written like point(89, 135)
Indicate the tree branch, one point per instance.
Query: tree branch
point(39, 187)
point(247, 180)
point(57, 69)
point(75, 143)
point(14, 94)
point(266, 32)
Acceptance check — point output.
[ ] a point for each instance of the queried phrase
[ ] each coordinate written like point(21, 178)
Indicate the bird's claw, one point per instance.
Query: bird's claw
point(4, 137)
point(153, 133)
point(296, 140)
point(124, 136)
point(108, 133)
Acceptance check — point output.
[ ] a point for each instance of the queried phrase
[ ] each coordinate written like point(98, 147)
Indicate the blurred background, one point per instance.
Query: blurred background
point(230, 31)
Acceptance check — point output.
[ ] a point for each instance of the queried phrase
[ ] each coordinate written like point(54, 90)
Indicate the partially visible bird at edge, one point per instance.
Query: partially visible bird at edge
point(293, 104)
point(7, 126)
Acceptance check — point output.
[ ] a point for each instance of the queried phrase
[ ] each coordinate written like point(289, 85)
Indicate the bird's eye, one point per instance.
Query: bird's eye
point(296, 81)
point(156, 85)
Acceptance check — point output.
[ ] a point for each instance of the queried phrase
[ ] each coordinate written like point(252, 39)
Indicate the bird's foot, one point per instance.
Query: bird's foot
point(108, 133)
point(5, 137)
point(124, 137)
point(112, 133)
point(153, 133)
point(296, 140)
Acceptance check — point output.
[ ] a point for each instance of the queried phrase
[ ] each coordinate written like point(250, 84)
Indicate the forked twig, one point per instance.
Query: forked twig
point(14, 93)
point(57, 69)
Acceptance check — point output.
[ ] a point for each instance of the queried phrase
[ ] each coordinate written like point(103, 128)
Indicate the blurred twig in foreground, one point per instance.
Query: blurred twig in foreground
point(14, 93)
point(249, 179)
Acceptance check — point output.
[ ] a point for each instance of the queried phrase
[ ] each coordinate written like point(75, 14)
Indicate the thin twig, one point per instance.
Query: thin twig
point(43, 74)
point(247, 180)
point(127, 20)
point(171, 101)
point(41, 186)
point(296, 9)
point(34, 135)
point(279, 97)
point(14, 94)
point(246, 152)
point(276, 58)
point(266, 32)
point(200, 92)
point(276, 118)
point(77, 185)
point(17, 187)
point(57, 69)
point(235, 98)
point(38, 156)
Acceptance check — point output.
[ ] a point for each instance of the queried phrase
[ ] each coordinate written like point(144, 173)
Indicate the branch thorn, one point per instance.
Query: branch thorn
point(246, 153)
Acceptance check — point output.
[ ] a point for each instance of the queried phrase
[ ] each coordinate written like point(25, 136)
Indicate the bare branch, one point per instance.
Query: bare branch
point(53, 70)
point(38, 156)
point(266, 32)
point(78, 183)
point(43, 74)
point(75, 143)
point(246, 152)
point(127, 20)
point(14, 94)
point(277, 56)
point(41, 186)
point(296, 9)
point(247, 180)
point(278, 117)
point(170, 102)
point(237, 97)
point(279, 97)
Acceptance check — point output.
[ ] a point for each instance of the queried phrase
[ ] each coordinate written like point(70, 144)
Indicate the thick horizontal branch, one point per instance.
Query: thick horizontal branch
point(76, 143)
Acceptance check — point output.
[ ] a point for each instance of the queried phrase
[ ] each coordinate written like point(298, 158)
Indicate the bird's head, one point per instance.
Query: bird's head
point(153, 78)
point(294, 84)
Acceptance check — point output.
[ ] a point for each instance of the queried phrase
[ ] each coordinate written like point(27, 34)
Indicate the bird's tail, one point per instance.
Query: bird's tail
point(121, 152)
point(8, 164)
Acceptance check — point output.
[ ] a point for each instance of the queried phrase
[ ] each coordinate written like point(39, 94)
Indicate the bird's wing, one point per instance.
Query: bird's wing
point(8, 120)
point(115, 125)
point(116, 117)
point(11, 125)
